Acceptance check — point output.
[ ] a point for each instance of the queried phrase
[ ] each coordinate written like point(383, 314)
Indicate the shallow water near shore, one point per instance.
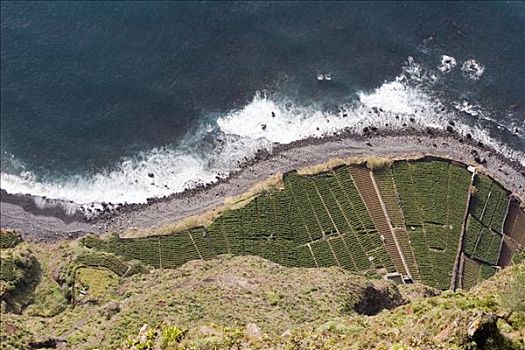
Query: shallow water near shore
point(105, 102)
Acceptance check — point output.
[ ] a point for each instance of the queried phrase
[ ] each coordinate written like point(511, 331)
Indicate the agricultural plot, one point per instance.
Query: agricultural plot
point(110, 262)
point(340, 218)
point(176, 250)
point(304, 256)
point(489, 203)
point(515, 223)
point(433, 196)
point(475, 272)
point(203, 243)
point(297, 190)
point(216, 238)
point(481, 243)
point(323, 253)
point(342, 254)
point(385, 182)
point(362, 178)
point(146, 249)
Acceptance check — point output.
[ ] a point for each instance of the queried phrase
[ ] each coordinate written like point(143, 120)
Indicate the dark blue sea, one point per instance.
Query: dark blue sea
point(121, 101)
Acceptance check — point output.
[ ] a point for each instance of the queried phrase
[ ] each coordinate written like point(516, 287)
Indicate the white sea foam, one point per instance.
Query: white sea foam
point(473, 69)
point(260, 124)
point(447, 63)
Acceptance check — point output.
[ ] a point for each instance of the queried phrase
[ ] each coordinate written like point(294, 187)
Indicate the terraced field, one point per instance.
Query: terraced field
point(430, 221)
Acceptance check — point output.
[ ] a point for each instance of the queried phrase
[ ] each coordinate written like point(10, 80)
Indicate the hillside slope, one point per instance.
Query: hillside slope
point(249, 302)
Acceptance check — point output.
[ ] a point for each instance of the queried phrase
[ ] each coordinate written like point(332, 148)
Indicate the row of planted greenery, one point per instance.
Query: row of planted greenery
point(321, 220)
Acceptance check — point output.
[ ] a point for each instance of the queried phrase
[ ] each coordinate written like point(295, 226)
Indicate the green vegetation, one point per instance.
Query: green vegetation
point(203, 288)
point(433, 197)
point(19, 273)
point(228, 291)
point(490, 203)
point(9, 239)
point(475, 272)
point(248, 302)
point(481, 242)
point(110, 262)
point(322, 220)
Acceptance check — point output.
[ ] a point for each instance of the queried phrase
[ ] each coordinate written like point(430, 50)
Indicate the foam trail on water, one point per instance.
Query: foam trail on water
point(261, 124)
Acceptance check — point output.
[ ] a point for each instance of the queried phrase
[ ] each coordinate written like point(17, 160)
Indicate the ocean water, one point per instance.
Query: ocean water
point(120, 102)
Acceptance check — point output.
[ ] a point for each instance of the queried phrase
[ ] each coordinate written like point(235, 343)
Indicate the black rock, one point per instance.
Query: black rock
point(369, 144)
point(469, 136)
point(273, 114)
point(450, 129)
point(151, 175)
point(479, 160)
point(263, 126)
point(365, 129)
point(452, 123)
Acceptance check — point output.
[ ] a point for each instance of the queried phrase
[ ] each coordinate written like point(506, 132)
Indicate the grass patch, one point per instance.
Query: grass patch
point(376, 163)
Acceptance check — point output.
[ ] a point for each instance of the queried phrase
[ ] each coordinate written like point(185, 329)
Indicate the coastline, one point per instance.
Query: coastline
point(51, 223)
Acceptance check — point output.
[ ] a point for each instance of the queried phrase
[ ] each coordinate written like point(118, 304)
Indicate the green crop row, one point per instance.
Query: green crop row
point(323, 253)
point(471, 270)
point(296, 185)
point(387, 187)
point(325, 185)
point(343, 255)
point(481, 243)
point(322, 221)
point(486, 271)
point(319, 208)
point(475, 272)
point(482, 184)
point(433, 197)
point(385, 181)
point(422, 254)
point(110, 262)
point(407, 194)
point(304, 257)
point(489, 203)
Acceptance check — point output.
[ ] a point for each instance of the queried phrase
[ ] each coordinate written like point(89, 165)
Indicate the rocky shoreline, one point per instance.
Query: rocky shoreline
point(52, 222)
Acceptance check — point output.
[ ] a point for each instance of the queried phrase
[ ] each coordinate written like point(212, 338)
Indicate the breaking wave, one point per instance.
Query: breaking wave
point(221, 147)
